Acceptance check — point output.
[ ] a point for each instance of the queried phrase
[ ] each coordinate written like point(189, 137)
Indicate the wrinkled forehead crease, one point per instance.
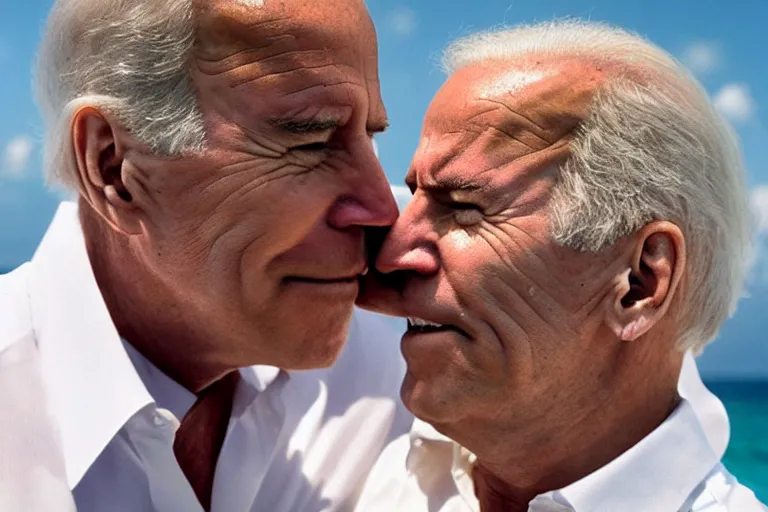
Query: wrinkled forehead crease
point(485, 166)
point(293, 48)
point(502, 94)
point(244, 22)
point(561, 90)
point(497, 113)
point(459, 161)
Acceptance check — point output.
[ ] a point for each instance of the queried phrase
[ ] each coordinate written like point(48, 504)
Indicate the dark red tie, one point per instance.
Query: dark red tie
point(201, 435)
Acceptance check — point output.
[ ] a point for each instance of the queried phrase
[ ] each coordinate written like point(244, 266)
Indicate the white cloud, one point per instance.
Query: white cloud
point(735, 102)
point(16, 156)
point(375, 147)
point(759, 202)
point(403, 20)
point(702, 56)
point(402, 195)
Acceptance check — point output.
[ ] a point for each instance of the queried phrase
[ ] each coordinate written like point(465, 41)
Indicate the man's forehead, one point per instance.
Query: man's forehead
point(256, 10)
point(258, 22)
point(496, 113)
point(298, 54)
point(548, 92)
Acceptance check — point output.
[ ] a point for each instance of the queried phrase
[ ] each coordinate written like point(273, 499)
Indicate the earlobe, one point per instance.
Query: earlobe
point(627, 315)
point(645, 291)
point(99, 163)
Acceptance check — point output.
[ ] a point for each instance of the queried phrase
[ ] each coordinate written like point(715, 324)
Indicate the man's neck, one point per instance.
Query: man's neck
point(566, 444)
point(145, 312)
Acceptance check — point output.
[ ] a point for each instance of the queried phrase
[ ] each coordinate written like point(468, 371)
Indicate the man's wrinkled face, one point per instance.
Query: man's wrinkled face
point(510, 315)
point(262, 233)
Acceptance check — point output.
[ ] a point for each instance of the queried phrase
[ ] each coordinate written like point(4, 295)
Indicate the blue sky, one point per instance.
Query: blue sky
point(722, 42)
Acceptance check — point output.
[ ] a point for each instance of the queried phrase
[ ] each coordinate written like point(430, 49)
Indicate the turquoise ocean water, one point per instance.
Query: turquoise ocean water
point(747, 455)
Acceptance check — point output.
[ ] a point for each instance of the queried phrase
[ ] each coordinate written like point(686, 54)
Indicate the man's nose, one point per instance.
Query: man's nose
point(369, 201)
point(411, 244)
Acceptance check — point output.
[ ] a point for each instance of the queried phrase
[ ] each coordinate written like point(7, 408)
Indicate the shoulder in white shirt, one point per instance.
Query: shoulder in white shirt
point(676, 468)
point(88, 420)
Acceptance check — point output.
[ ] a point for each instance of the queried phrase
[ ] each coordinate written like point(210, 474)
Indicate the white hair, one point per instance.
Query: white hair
point(652, 148)
point(127, 57)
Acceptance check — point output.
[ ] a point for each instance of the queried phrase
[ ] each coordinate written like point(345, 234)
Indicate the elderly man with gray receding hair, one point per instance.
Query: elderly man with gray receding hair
point(578, 222)
point(185, 336)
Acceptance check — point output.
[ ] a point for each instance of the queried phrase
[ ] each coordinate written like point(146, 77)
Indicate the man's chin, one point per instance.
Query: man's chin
point(315, 356)
point(313, 337)
point(419, 398)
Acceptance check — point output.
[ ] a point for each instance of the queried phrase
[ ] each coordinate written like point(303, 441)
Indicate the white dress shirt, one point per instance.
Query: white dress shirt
point(676, 468)
point(87, 421)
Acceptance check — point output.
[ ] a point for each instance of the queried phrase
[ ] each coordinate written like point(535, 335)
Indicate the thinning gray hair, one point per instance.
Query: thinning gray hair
point(127, 57)
point(649, 150)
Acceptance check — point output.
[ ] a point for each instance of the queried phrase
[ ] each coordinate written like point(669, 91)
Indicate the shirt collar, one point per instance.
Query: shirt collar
point(90, 380)
point(421, 430)
point(172, 396)
point(708, 407)
point(261, 376)
point(166, 392)
point(429, 447)
point(657, 474)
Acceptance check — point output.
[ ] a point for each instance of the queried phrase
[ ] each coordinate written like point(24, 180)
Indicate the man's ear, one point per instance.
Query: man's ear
point(646, 289)
point(99, 156)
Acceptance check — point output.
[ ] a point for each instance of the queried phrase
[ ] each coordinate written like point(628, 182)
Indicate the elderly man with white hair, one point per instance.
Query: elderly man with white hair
point(579, 222)
point(168, 347)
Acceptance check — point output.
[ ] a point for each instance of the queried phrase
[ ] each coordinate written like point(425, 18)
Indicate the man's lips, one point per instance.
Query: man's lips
point(420, 326)
point(342, 279)
point(312, 280)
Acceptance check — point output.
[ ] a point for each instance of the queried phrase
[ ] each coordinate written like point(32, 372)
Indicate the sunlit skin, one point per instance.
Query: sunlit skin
point(249, 252)
point(555, 361)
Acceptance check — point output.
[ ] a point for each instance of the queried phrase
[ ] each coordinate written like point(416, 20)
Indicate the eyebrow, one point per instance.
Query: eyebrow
point(378, 126)
point(451, 184)
point(445, 185)
point(303, 126)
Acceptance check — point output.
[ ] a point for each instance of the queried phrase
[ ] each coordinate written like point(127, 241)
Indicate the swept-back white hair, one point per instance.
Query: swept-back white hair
point(128, 57)
point(650, 149)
